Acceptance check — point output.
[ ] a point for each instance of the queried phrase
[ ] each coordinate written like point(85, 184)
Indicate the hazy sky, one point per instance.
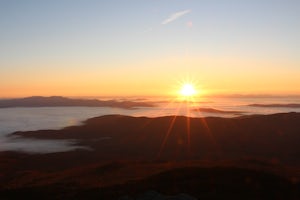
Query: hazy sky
point(147, 47)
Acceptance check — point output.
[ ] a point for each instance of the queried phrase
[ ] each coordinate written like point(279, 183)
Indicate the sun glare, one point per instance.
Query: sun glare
point(187, 90)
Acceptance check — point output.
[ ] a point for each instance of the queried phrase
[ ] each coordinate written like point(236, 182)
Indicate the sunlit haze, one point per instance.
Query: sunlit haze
point(129, 47)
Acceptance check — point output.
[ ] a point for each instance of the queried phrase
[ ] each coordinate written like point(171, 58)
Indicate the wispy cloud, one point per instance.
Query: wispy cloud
point(175, 16)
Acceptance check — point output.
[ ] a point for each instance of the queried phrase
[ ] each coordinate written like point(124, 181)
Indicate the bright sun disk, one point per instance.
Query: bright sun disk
point(187, 90)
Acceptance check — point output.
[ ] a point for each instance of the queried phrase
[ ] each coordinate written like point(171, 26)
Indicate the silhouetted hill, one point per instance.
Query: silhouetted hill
point(55, 101)
point(275, 137)
point(249, 157)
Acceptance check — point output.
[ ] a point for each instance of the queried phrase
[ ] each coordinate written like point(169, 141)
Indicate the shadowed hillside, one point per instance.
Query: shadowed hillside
point(200, 183)
point(249, 157)
point(275, 137)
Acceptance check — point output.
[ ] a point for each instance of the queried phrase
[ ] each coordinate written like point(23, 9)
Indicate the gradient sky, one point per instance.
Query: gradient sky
point(147, 47)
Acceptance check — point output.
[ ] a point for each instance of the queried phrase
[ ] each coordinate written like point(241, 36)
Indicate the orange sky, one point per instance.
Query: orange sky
point(236, 76)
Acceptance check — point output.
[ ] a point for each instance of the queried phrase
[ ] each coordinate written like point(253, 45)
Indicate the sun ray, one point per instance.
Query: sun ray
point(188, 127)
point(209, 132)
point(168, 132)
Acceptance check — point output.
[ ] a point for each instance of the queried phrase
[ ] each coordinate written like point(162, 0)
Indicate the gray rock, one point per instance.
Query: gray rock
point(125, 198)
point(153, 195)
point(181, 196)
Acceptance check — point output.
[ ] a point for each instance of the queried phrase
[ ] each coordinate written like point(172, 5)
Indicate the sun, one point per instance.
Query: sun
point(187, 90)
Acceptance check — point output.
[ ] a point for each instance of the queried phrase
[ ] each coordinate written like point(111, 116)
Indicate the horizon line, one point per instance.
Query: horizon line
point(220, 95)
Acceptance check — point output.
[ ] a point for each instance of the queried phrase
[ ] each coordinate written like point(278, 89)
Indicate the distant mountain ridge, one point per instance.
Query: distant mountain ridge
point(290, 105)
point(56, 101)
point(212, 110)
